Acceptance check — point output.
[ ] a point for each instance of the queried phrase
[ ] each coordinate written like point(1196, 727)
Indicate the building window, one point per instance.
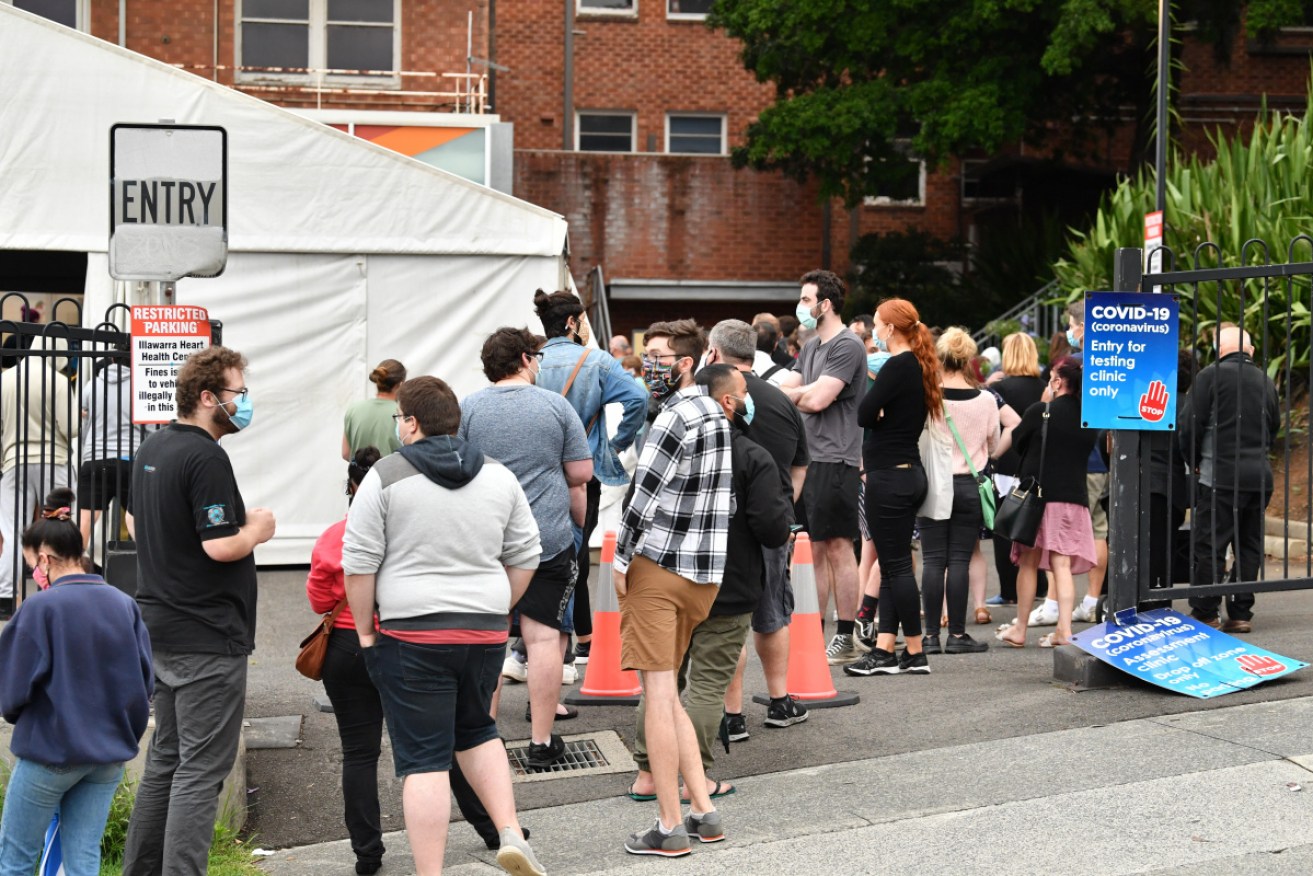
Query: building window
point(604, 132)
point(69, 13)
point(608, 7)
point(688, 9)
point(320, 34)
point(909, 189)
point(694, 134)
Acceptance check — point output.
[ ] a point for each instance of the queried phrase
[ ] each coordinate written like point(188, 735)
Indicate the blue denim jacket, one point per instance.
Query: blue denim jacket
point(601, 381)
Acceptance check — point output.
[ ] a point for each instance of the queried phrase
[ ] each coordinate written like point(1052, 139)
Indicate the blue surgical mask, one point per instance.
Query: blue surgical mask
point(875, 361)
point(880, 344)
point(749, 409)
point(241, 418)
point(1071, 339)
point(805, 318)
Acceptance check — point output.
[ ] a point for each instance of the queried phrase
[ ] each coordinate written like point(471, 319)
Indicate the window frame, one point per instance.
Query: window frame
point(683, 16)
point(633, 130)
point(317, 56)
point(919, 201)
point(724, 130)
point(82, 14)
point(592, 11)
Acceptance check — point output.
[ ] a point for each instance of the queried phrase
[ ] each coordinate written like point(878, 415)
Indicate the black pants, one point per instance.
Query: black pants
point(1225, 518)
point(946, 547)
point(583, 610)
point(892, 497)
point(359, 714)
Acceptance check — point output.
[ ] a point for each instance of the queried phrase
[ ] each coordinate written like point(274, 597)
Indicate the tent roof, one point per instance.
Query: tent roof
point(294, 185)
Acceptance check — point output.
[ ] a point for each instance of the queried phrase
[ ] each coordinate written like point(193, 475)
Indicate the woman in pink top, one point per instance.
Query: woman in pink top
point(947, 545)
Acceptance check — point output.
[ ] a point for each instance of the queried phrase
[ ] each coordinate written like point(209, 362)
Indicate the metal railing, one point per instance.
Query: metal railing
point(1036, 315)
point(469, 92)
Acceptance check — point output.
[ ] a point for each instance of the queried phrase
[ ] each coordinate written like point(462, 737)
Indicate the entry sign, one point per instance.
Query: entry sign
point(1180, 654)
point(162, 339)
point(1129, 360)
point(168, 202)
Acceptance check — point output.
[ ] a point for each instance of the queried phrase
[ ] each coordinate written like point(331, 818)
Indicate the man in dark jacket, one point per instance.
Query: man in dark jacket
point(763, 513)
point(1230, 424)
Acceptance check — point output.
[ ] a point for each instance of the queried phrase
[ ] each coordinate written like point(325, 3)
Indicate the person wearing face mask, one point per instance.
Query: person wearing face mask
point(590, 379)
point(76, 687)
point(763, 512)
point(827, 388)
point(670, 559)
point(536, 434)
point(197, 591)
point(775, 424)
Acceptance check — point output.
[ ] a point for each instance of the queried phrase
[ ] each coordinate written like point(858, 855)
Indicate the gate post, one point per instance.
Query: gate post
point(1125, 566)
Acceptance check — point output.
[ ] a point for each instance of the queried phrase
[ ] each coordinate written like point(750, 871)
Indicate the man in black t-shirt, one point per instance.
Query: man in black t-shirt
point(197, 592)
point(776, 425)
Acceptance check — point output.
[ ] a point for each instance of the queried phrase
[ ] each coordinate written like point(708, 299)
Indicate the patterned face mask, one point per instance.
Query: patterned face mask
point(662, 380)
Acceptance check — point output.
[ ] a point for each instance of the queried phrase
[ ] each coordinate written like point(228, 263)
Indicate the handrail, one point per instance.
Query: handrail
point(1036, 315)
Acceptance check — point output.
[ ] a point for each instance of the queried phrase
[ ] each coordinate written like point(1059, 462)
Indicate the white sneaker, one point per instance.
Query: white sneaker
point(569, 675)
point(1044, 616)
point(1085, 612)
point(514, 670)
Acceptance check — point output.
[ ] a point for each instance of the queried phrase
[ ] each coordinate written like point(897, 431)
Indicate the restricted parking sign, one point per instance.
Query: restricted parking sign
point(1130, 361)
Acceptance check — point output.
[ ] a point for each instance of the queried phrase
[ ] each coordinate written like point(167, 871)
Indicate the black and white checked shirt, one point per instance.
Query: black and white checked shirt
point(679, 514)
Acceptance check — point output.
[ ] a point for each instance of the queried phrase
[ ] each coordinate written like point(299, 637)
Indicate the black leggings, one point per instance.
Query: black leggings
point(583, 610)
point(892, 497)
point(946, 546)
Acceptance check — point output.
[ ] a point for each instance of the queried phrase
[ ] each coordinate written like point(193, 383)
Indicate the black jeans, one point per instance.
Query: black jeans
point(359, 714)
point(892, 497)
point(1222, 518)
point(583, 611)
point(946, 546)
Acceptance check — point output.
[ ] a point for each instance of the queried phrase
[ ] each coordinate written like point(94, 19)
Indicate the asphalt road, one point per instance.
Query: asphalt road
point(296, 798)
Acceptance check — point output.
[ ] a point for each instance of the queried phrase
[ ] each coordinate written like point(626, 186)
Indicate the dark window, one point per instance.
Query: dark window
point(607, 5)
point(700, 135)
point(63, 12)
point(689, 7)
point(610, 132)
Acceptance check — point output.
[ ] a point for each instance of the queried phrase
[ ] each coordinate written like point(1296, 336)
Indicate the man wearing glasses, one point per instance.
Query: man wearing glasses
point(197, 591)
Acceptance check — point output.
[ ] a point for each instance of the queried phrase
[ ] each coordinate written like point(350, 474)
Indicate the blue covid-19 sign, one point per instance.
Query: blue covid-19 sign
point(1129, 356)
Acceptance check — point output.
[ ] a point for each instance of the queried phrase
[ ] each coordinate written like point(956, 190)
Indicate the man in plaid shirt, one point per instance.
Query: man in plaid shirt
point(669, 560)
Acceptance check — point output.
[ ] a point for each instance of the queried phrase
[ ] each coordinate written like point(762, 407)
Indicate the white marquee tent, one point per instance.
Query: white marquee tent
point(341, 253)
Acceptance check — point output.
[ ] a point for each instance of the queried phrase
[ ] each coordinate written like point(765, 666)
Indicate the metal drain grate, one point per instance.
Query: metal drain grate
point(585, 754)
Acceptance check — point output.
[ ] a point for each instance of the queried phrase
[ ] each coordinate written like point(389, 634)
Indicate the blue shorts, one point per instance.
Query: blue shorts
point(436, 698)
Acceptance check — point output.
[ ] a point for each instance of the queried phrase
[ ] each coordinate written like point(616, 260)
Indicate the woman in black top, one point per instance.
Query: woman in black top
point(1020, 388)
point(1064, 545)
point(894, 412)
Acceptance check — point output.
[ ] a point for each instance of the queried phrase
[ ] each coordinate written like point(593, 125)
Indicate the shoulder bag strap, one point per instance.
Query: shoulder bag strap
point(961, 445)
point(338, 609)
point(770, 372)
point(570, 382)
point(1043, 448)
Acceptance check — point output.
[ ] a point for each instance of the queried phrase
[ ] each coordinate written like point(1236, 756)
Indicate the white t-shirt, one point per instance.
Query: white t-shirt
point(762, 362)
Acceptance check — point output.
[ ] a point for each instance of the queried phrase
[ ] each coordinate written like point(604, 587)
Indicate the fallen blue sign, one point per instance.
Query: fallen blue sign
point(1183, 655)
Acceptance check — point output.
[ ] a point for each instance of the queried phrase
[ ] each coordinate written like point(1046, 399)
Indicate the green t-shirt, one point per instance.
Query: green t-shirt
point(369, 423)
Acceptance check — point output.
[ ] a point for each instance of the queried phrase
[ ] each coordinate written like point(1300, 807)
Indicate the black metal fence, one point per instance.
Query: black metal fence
point(1192, 514)
point(65, 423)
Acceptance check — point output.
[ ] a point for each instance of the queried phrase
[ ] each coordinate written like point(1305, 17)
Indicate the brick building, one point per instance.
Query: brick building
point(623, 114)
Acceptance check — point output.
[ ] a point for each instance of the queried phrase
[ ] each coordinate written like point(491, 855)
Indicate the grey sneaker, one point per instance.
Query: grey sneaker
point(653, 842)
point(843, 649)
point(708, 828)
point(515, 856)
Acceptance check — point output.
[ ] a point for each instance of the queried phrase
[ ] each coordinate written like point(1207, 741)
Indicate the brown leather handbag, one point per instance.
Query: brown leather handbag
point(310, 662)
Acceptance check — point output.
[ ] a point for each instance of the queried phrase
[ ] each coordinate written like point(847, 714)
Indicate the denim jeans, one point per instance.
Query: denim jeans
point(81, 794)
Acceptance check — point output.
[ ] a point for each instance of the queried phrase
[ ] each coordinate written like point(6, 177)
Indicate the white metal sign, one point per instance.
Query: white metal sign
point(168, 201)
point(162, 339)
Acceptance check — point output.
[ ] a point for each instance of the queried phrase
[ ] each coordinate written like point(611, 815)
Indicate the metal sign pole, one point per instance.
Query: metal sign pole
point(1125, 570)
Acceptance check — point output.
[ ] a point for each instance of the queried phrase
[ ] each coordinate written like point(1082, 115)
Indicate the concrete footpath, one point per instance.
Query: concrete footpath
point(1220, 791)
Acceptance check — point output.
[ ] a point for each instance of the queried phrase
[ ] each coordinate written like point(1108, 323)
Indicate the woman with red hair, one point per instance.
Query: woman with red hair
point(893, 413)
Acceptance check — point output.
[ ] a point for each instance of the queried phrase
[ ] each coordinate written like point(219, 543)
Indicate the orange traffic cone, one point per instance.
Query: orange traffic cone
point(809, 679)
point(605, 683)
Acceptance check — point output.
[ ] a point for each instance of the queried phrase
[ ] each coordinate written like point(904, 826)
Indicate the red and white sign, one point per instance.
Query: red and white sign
point(162, 339)
point(1153, 238)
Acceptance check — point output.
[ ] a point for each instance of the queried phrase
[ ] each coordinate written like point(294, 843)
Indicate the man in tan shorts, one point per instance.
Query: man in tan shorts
point(669, 562)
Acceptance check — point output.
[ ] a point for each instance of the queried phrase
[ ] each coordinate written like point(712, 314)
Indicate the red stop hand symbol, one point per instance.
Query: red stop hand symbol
point(1255, 664)
point(1153, 404)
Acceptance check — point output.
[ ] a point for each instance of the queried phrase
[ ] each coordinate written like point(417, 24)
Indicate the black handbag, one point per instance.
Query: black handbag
point(1019, 515)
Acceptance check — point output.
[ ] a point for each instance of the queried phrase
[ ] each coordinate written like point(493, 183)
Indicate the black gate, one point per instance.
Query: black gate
point(1182, 524)
point(65, 423)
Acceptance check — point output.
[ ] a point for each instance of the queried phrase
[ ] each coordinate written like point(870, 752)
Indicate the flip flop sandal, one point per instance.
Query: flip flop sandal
point(1050, 641)
point(1007, 643)
point(983, 616)
point(639, 798)
point(723, 789)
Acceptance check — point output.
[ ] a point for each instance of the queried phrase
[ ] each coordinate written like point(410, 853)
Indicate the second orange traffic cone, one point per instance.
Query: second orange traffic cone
point(605, 683)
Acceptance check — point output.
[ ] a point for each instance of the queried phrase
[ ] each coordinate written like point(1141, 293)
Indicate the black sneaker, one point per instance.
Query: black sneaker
point(541, 757)
point(785, 714)
point(964, 644)
point(876, 662)
point(915, 664)
point(737, 727)
point(931, 644)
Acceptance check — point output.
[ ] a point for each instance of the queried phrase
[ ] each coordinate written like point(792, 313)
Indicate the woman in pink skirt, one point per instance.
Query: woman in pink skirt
point(1064, 546)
